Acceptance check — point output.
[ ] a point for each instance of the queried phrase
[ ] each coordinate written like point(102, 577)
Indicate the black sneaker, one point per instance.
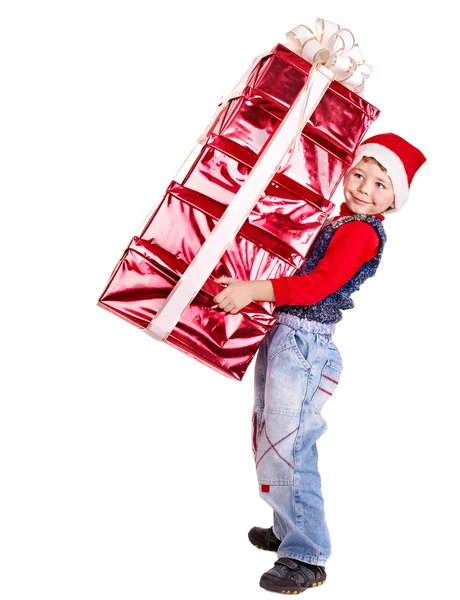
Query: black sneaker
point(291, 576)
point(264, 539)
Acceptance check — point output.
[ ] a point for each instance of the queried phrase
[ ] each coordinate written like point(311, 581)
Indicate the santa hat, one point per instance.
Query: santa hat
point(400, 159)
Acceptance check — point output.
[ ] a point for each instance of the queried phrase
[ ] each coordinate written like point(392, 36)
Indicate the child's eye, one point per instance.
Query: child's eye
point(378, 184)
point(358, 175)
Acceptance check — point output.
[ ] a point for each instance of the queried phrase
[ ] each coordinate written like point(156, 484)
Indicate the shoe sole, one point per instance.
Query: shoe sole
point(272, 587)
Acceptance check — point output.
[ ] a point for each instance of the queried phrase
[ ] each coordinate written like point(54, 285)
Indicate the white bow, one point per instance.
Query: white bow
point(333, 47)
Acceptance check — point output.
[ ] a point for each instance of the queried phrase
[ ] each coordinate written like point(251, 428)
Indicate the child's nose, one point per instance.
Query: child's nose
point(364, 187)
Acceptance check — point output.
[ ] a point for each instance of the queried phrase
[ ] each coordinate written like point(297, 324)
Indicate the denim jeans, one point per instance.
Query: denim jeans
point(295, 374)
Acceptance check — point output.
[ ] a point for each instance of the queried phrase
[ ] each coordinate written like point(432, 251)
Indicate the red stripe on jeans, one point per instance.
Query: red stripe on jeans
point(325, 391)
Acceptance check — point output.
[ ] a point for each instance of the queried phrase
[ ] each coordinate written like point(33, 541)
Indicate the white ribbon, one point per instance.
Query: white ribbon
point(333, 47)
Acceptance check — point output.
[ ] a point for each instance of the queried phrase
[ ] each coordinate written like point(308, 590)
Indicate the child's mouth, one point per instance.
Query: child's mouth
point(359, 201)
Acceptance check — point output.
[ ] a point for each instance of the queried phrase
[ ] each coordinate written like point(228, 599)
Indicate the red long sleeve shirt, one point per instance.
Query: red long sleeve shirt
point(352, 245)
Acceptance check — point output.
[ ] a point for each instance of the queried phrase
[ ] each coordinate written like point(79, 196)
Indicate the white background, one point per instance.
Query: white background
point(126, 468)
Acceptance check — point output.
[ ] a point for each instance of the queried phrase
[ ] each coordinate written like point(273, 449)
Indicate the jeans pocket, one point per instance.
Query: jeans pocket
point(300, 346)
point(330, 376)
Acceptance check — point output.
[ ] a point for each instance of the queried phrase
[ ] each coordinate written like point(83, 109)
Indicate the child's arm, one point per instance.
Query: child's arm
point(352, 245)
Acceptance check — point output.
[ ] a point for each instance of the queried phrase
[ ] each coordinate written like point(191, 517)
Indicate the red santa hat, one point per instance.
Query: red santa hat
point(400, 159)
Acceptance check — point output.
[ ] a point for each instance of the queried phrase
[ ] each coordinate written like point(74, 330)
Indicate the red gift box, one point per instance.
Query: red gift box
point(329, 139)
point(278, 231)
point(157, 258)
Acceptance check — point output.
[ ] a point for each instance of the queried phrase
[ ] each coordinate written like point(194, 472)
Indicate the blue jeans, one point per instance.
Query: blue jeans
point(295, 374)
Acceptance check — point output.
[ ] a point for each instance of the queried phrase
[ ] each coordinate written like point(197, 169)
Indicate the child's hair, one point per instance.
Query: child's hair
point(366, 158)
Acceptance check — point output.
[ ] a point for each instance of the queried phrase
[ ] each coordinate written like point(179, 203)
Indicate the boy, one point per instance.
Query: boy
point(298, 365)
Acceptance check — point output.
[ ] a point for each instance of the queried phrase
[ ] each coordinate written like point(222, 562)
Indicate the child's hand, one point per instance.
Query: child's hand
point(236, 295)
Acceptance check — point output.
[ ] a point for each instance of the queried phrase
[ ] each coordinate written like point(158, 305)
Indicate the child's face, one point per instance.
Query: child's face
point(367, 189)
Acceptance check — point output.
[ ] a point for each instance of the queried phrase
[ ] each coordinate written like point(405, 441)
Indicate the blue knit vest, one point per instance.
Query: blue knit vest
point(329, 309)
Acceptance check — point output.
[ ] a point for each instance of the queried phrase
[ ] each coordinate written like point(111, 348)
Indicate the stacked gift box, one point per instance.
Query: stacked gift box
point(279, 230)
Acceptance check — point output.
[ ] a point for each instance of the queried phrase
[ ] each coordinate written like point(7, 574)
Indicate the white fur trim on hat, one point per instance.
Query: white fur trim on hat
point(395, 170)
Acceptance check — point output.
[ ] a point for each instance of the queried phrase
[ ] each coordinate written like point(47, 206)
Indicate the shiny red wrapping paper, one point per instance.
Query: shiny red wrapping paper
point(329, 139)
point(278, 232)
